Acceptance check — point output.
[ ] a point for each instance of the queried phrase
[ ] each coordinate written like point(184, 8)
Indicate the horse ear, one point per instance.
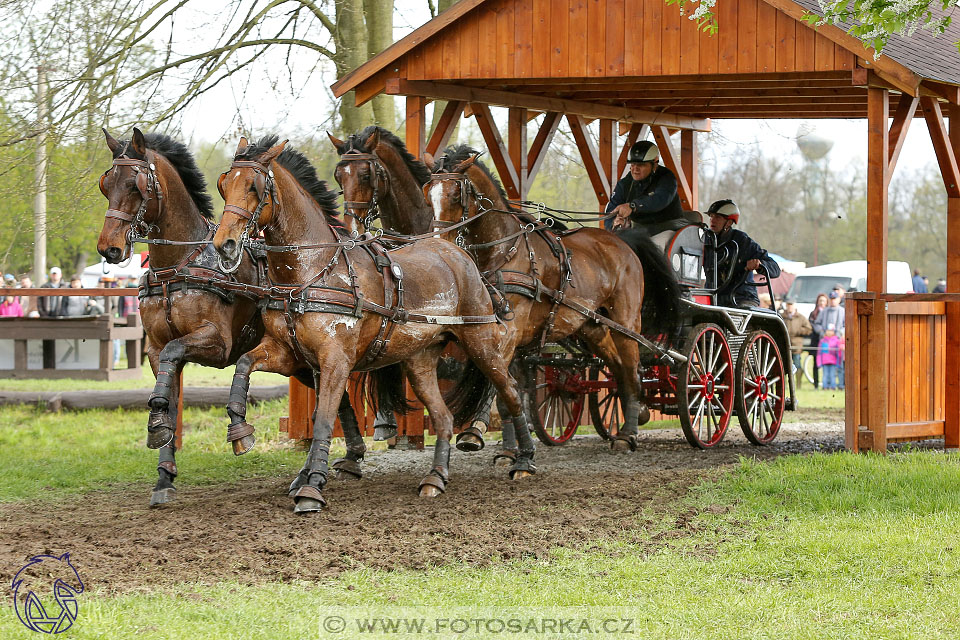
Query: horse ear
point(466, 164)
point(268, 157)
point(241, 145)
point(429, 161)
point(139, 142)
point(112, 142)
point(337, 142)
point(373, 140)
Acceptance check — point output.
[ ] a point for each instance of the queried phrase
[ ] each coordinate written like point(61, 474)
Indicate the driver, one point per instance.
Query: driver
point(647, 197)
point(737, 291)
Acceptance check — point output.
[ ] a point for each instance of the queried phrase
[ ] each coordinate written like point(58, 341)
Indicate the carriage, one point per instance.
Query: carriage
point(725, 360)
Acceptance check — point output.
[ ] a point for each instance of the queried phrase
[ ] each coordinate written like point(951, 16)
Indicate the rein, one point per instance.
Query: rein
point(147, 184)
point(265, 186)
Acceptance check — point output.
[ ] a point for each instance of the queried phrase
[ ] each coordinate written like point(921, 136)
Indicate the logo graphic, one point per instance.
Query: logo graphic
point(33, 579)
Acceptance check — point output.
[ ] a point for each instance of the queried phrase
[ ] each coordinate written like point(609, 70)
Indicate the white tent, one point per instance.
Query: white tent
point(90, 277)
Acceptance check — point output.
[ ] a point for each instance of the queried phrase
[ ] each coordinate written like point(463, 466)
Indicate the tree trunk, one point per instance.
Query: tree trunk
point(439, 105)
point(379, 15)
point(351, 43)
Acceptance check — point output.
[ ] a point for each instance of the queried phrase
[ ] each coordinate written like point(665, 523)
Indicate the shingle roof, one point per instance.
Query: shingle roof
point(935, 58)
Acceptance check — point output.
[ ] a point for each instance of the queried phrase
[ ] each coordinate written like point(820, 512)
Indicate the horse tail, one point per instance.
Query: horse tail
point(661, 304)
point(385, 389)
point(468, 396)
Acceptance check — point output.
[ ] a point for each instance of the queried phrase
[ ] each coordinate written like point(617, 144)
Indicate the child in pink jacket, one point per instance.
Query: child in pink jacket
point(830, 357)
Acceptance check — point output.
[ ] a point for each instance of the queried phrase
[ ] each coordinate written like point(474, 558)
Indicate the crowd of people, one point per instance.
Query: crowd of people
point(825, 327)
point(64, 306)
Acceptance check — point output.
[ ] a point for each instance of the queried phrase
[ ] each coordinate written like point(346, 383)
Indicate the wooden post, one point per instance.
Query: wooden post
point(878, 154)
point(517, 146)
point(690, 161)
point(608, 151)
point(951, 427)
point(416, 125)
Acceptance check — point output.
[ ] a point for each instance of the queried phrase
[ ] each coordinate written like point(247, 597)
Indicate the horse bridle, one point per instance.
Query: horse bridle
point(147, 184)
point(264, 184)
point(466, 190)
point(377, 173)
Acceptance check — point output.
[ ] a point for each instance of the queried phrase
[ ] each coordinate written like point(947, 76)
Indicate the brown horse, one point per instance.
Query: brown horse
point(192, 311)
point(548, 274)
point(340, 307)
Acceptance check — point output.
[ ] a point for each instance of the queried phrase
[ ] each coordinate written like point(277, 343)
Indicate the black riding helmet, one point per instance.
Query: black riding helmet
point(726, 208)
point(643, 151)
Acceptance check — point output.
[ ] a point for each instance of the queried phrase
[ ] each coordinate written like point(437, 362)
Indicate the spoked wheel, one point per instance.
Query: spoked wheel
point(604, 403)
point(555, 394)
point(761, 388)
point(705, 387)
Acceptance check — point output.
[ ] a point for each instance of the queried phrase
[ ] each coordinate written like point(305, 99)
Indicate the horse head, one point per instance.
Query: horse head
point(249, 194)
point(450, 191)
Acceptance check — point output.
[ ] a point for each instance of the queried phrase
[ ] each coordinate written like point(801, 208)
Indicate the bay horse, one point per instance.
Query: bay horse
point(382, 180)
point(191, 310)
point(549, 273)
point(338, 304)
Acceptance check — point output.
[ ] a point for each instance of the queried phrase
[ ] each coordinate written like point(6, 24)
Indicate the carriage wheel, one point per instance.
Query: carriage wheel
point(761, 387)
point(705, 387)
point(604, 403)
point(555, 395)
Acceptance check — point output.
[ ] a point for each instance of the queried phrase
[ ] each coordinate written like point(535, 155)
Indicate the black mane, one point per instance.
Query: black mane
point(302, 171)
point(419, 170)
point(183, 161)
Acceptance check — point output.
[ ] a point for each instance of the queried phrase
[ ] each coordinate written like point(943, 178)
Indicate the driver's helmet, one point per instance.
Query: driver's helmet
point(643, 151)
point(726, 208)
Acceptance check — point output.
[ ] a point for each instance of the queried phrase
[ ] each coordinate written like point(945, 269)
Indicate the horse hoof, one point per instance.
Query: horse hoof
point(469, 442)
point(429, 491)
point(159, 437)
point(644, 416)
point(620, 446)
point(162, 496)
point(342, 474)
point(504, 459)
point(519, 474)
point(244, 445)
point(384, 432)
point(308, 505)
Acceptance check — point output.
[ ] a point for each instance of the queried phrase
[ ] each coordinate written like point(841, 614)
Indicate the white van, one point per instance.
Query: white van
point(851, 274)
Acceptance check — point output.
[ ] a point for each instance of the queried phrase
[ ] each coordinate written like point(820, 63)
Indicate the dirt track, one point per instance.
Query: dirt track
point(247, 531)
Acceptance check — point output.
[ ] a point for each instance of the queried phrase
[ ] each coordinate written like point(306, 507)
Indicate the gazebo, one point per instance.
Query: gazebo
point(639, 67)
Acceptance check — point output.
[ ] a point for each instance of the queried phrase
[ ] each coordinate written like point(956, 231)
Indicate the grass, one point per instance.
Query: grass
point(818, 546)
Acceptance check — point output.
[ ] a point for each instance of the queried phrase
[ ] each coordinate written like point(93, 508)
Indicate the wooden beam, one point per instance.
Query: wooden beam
point(842, 76)
point(619, 92)
point(690, 161)
point(517, 145)
point(398, 86)
point(949, 92)
point(591, 159)
point(878, 154)
point(497, 149)
point(541, 143)
point(635, 132)
point(445, 126)
point(607, 149)
point(898, 129)
point(416, 125)
point(671, 160)
point(941, 145)
point(951, 429)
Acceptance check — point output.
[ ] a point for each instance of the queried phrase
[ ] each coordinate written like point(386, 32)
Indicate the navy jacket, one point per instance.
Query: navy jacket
point(655, 198)
point(737, 292)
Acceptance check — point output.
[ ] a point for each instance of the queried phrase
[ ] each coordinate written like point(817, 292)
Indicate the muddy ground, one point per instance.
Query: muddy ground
point(247, 532)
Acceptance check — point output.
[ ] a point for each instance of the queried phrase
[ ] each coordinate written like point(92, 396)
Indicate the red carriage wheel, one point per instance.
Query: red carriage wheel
point(555, 396)
point(705, 387)
point(761, 388)
point(604, 403)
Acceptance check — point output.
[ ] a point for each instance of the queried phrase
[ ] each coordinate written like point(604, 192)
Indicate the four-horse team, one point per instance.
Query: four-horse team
point(551, 314)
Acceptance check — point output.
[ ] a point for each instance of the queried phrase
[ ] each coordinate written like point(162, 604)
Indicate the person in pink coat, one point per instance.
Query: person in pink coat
point(11, 308)
point(830, 357)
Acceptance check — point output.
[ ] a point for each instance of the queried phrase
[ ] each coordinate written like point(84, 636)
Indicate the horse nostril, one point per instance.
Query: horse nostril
point(230, 246)
point(113, 254)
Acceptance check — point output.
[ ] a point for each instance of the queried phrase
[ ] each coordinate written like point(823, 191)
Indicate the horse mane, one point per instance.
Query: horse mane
point(356, 142)
point(183, 161)
point(302, 171)
point(455, 154)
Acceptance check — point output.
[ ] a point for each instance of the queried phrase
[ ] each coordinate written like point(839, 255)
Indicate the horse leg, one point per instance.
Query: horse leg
point(507, 454)
point(421, 371)
point(471, 438)
point(206, 344)
point(309, 497)
point(164, 491)
point(348, 467)
point(622, 356)
point(384, 425)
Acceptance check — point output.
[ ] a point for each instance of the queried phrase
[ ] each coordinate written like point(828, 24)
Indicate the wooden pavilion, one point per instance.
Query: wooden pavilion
point(638, 66)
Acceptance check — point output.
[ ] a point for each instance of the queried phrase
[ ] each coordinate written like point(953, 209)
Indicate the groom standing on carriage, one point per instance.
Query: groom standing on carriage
point(647, 197)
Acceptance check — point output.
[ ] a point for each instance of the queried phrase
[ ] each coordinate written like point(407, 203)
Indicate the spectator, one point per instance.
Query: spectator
point(74, 306)
point(10, 307)
point(29, 303)
point(798, 326)
point(9, 281)
point(926, 283)
point(840, 291)
point(919, 286)
point(941, 286)
point(129, 305)
point(49, 306)
point(830, 358)
point(833, 314)
point(820, 304)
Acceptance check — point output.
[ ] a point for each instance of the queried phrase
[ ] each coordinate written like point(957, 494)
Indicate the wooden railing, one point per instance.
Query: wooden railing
point(900, 352)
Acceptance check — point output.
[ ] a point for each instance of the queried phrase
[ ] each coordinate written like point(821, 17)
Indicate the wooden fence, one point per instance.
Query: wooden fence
point(898, 362)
